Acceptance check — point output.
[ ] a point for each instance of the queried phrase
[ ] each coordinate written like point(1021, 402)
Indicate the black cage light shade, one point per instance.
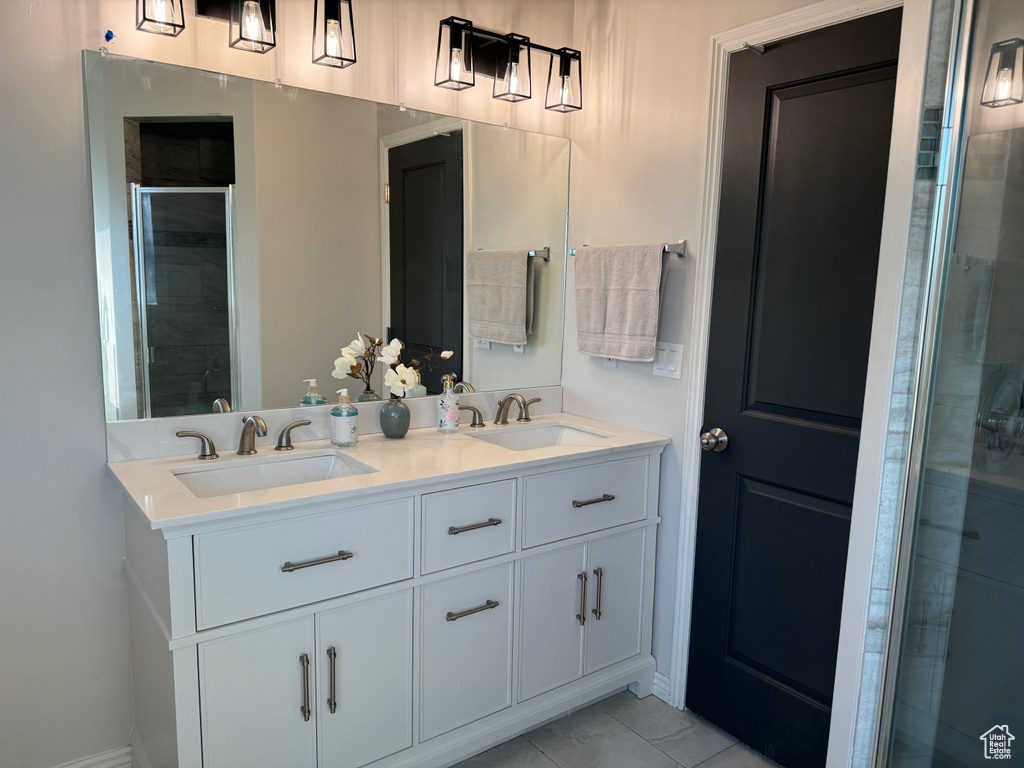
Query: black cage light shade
point(512, 80)
point(252, 25)
point(160, 17)
point(1004, 80)
point(454, 67)
point(334, 37)
point(565, 87)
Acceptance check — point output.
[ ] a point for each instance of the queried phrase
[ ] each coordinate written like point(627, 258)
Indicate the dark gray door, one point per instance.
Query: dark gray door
point(425, 181)
point(807, 135)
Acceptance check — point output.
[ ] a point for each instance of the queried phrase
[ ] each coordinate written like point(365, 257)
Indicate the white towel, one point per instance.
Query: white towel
point(499, 295)
point(618, 299)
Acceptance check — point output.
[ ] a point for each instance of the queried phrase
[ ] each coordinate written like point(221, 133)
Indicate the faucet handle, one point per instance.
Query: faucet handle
point(524, 412)
point(284, 440)
point(478, 418)
point(208, 452)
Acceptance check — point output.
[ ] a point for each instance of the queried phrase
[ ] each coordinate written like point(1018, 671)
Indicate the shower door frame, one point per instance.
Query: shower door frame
point(944, 222)
point(138, 241)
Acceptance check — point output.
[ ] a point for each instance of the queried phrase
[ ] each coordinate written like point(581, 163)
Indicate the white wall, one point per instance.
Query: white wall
point(64, 658)
point(638, 159)
point(65, 681)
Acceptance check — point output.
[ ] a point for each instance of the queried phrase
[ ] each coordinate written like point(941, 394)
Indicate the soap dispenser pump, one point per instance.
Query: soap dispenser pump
point(344, 422)
point(313, 396)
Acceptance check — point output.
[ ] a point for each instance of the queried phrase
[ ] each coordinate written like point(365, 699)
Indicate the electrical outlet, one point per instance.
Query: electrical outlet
point(481, 344)
point(611, 362)
point(520, 348)
point(669, 360)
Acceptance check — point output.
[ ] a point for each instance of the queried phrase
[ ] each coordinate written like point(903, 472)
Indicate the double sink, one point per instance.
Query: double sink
point(263, 473)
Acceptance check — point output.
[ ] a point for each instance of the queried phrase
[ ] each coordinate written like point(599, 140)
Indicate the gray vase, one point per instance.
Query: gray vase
point(394, 419)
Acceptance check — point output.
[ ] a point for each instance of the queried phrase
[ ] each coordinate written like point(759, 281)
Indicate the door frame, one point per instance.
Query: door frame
point(881, 362)
point(411, 136)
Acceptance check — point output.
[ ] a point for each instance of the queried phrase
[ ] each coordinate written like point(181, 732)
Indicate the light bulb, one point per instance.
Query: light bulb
point(455, 68)
point(1004, 84)
point(253, 29)
point(566, 99)
point(513, 77)
point(163, 14)
point(332, 46)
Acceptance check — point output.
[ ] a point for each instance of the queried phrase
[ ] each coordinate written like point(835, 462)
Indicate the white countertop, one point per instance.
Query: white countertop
point(424, 455)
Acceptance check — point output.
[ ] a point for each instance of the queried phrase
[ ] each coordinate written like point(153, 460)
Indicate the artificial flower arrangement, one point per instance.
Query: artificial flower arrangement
point(360, 357)
point(357, 361)
point(400, 378)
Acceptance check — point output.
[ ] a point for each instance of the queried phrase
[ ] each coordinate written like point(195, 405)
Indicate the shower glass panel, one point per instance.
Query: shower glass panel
point(183, 268)
point(959, 685)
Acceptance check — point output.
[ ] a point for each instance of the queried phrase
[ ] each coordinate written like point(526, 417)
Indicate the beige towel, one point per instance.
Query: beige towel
point(499, 295)
point(618, 297)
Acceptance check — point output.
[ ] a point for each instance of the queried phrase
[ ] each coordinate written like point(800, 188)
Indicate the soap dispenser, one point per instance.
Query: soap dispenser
point(313, 396)
point(344, 422)
point(448, 406)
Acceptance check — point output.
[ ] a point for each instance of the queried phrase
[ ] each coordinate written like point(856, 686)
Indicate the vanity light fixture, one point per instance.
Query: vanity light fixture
point(334, 37)
point(454, 66)
point(1004, 80)
point(565, 89)
point(160, 17)
point(515, 83)
point(464, 50)
point(252, 25)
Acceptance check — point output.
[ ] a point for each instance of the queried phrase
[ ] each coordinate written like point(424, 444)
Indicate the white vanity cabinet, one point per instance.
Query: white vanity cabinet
point(409, 627)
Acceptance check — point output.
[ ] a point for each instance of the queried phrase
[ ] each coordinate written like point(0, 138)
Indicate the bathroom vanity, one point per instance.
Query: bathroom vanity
point(402, 603)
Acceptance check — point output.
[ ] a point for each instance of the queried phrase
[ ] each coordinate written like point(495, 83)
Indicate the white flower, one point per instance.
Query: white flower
point(400, 379)
point(391, 353)
point(357, 348)
point(446, 354)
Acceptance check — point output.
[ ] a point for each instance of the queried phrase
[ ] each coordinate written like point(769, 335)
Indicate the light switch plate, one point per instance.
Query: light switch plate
point(669, 360)
point(481, 344)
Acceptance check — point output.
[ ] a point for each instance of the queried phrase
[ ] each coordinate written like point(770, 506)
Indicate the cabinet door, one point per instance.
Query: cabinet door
point(364, 691)
point(616, 567)
point(256, 695)
point(554, 589)
point(466, 670)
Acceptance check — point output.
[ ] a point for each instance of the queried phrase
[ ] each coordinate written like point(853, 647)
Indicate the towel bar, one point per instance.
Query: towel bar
point(541, 253)
point(679, 249)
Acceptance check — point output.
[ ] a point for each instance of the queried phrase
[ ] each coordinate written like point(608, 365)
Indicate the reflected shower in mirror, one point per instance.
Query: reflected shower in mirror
point(245, 233)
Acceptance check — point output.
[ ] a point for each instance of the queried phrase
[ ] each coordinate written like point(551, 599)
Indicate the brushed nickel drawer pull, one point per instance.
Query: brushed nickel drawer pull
point(588, 502)
point(599, 573)
point(332, 696)
point(470, 611)
point(304, 709)
point(342, 555)
point(453, 531)
point(582, 615)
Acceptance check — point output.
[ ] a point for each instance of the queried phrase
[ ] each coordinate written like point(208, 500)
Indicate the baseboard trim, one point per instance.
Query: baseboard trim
point(139, 757)
point(663, 687)
point(115, 758)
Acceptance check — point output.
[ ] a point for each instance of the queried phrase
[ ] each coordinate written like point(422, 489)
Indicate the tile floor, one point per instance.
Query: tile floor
point(623, 732)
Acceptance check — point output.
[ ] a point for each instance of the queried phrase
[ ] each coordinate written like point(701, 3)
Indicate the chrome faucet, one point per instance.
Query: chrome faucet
point(252, 427)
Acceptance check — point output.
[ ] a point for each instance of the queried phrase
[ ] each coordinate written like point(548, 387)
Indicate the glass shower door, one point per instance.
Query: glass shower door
point(959, 687)
point(183, 274)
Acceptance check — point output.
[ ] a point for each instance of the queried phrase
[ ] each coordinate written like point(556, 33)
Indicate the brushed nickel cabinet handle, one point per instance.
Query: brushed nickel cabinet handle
point(342, 555)
point(470, 611)
point(304, 709)
point(332, 696)
point(588, 502)
point(453, 531)
point(582, 615)
point(599, 573)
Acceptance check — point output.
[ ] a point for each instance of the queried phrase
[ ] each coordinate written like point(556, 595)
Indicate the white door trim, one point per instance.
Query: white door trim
point(895, 225)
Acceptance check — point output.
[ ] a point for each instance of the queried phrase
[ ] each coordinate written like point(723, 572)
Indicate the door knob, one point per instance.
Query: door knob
point(716, 440)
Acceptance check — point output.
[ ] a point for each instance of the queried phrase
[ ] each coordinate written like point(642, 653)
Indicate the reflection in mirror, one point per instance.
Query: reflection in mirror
point(245, 233)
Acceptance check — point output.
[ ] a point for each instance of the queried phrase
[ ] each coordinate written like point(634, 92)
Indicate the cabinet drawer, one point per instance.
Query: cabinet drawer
point(468, 524)
point(571, 502)
point(466, 669)
point(249, 572)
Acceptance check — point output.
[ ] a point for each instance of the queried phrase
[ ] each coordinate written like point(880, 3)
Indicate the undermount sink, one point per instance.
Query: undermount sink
point(260, 474)
point(539, 436)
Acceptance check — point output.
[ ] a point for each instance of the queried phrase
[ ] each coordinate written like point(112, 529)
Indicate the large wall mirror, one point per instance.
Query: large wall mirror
point(246, 232)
